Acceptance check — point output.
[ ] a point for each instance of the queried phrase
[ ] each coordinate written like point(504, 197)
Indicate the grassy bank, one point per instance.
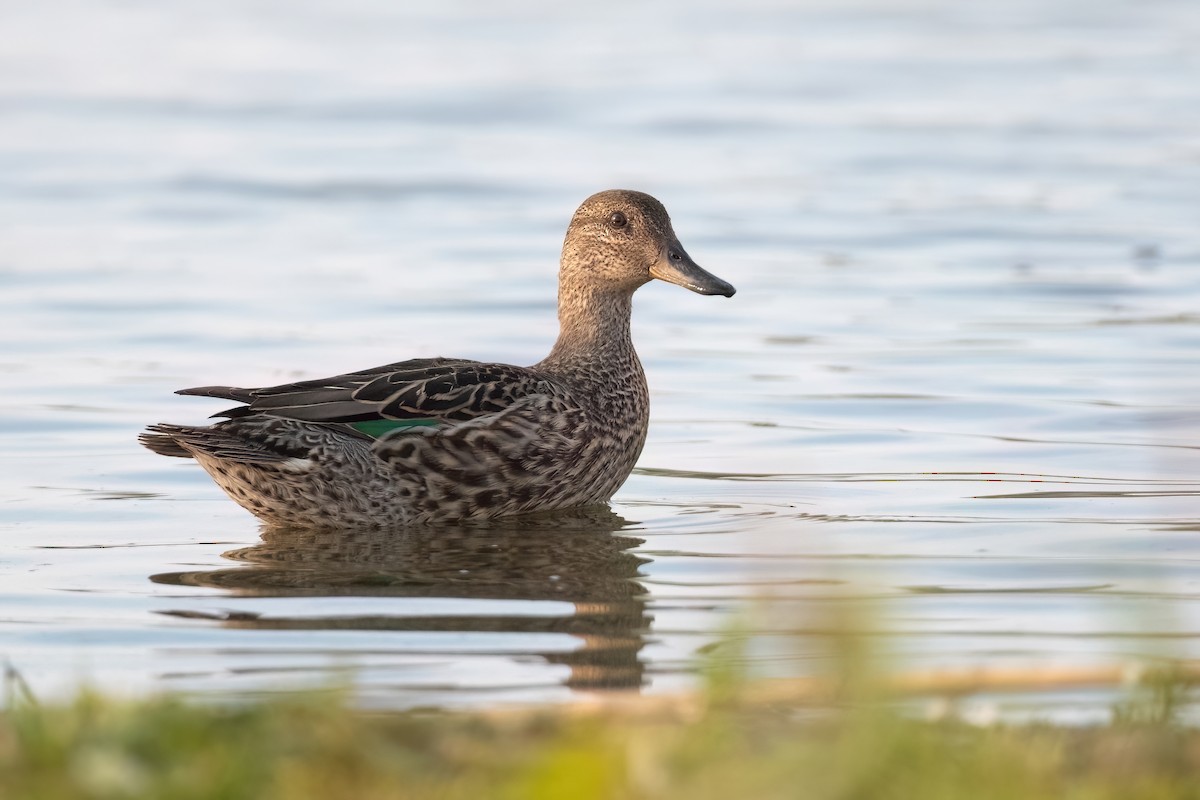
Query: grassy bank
point(722, 745)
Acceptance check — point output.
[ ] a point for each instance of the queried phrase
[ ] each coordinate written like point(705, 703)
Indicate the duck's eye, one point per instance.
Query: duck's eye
point(618, 220)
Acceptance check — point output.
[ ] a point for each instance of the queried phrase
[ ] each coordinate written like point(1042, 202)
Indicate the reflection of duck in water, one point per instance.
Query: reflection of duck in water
point(572, 558)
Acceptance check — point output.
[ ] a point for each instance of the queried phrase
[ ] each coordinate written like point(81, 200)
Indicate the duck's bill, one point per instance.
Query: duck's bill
point(676, 266)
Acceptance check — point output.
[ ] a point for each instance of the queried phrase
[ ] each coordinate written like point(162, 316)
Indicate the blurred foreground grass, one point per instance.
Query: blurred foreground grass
point(727, 742)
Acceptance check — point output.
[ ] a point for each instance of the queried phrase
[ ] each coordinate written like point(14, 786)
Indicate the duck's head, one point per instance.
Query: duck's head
point(621, 239)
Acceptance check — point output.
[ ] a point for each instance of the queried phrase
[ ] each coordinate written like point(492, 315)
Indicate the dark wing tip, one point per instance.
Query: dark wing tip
point(223, 392)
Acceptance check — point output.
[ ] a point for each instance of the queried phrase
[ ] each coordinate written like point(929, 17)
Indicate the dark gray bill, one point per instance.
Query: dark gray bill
point(676, 266)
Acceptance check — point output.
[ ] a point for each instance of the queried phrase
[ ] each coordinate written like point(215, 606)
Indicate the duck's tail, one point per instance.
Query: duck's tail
point(257, 440)
point(163, 440)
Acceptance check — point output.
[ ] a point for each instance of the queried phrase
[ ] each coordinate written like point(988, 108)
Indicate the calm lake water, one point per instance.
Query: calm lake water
point(959, 378)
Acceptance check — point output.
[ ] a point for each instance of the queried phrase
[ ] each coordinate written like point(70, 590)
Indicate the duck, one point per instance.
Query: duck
point(451, 440)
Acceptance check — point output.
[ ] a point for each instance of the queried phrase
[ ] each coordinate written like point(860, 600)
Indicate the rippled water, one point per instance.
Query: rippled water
point(960, 375)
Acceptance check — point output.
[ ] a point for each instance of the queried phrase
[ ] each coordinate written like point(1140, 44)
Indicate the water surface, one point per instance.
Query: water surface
point(959, 378)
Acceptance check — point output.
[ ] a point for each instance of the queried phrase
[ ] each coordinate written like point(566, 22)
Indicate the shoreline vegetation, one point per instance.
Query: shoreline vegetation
point(844, 736)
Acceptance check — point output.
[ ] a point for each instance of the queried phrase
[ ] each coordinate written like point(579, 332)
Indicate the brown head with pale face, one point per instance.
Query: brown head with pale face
point(620, 239)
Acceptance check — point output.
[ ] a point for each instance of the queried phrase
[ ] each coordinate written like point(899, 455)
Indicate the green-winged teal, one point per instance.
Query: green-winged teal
point(451, 439)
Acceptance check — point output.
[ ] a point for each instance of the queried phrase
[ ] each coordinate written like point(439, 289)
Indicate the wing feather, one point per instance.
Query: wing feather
point(428, 389)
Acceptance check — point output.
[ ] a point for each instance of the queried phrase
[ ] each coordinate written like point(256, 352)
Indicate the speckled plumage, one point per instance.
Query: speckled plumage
point(470, 440)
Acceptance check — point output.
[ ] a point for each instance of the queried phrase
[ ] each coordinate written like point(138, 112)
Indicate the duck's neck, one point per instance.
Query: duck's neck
point(593, 332)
